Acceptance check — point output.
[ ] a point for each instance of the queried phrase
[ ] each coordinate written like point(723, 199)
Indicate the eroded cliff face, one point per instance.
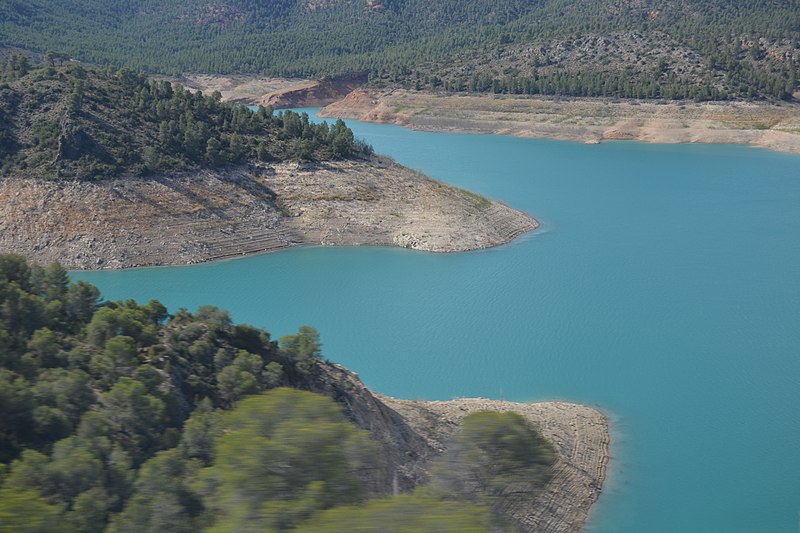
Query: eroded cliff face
point(412, 434)
point(316, 93)
point(406, 453)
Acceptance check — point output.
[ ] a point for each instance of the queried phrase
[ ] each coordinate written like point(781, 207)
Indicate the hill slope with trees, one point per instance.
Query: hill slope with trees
point(61, 120)
point(702, 49)
point(120, 417)
point(110, 169)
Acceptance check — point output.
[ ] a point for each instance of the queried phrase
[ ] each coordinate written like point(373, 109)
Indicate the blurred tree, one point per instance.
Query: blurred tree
point(24, 511)
point(402, 514)
point(162, 501)
point(494, 453)
point(282, 456)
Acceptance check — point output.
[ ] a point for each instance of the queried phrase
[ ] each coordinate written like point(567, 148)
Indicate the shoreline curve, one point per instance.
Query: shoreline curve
point(774, 127)
point(211, 215)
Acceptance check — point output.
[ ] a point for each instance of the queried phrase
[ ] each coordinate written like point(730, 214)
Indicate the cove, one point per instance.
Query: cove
point(663, 287)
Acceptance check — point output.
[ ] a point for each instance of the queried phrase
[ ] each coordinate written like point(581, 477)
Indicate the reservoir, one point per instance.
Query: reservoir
point(663, 287)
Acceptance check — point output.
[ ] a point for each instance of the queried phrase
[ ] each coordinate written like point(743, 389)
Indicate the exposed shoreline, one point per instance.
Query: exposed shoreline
point(413, 434)
point(588, 120)
point(279, 93)
point(580, 434)
point(209, 215)
point(774, 126)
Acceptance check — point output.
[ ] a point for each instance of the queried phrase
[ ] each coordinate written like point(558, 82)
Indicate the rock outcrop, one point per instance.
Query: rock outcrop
point(412, 434)
point(315, 93)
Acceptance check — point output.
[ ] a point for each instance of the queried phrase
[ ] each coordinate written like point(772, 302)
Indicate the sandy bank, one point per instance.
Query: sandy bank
point(589, 120)
point(581, 435)
point(210, 215)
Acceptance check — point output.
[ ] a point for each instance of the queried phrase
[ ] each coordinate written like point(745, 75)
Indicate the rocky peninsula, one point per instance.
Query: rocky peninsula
point(775, 126)
point(213, 214)
point(414, 433)
point(580, 434)
point(110, 169)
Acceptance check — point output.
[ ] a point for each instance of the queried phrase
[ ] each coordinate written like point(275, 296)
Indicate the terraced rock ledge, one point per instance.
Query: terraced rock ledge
point(413, 434)
point(208, 215)
point(580, 434)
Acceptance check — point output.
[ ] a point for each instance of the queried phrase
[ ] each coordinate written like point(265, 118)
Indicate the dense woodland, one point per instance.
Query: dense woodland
point(701, 49)
point(122, 417)
point(61, 120)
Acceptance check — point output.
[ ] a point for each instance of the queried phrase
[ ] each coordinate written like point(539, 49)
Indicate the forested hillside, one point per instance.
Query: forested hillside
point(702, 49)
point(61, 120)
point(121, 417)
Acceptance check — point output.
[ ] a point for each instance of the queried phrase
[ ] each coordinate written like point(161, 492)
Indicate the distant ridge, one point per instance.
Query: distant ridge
point(675, 49)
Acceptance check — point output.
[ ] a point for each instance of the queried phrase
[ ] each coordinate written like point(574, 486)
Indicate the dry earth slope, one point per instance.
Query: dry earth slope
point(590, 120)
point(209, 215)
point(413, 434)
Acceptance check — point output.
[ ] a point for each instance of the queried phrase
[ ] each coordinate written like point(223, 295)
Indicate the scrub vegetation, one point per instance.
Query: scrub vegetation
point(122, 417)
point(62, 120)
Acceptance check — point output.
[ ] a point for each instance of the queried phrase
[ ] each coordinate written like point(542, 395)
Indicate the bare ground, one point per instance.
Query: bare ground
point(580, 434)
point(589, 120)
point(208, 215)
point(413, 434)
point(242, 88)
point(280, 93)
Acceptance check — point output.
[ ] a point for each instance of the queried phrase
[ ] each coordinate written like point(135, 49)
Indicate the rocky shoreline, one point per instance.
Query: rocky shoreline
point(774, 126)
point(412, 434)
point(208, 215)
point(580, 434)
point(589, 120)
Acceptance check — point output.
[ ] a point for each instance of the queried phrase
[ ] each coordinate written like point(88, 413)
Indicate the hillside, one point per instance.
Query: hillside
point(119, 417)
point(68, 122)
point(107, 169)
point(700, 49)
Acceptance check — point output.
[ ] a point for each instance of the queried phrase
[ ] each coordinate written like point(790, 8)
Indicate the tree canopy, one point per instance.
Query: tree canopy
point(74, 122)
point(123, 418)
point(703, 49)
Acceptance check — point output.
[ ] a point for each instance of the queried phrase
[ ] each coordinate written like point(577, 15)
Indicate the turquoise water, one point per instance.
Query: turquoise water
point(664, 287)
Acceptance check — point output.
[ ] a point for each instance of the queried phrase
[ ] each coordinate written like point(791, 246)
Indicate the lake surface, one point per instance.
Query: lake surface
point(663, 287)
